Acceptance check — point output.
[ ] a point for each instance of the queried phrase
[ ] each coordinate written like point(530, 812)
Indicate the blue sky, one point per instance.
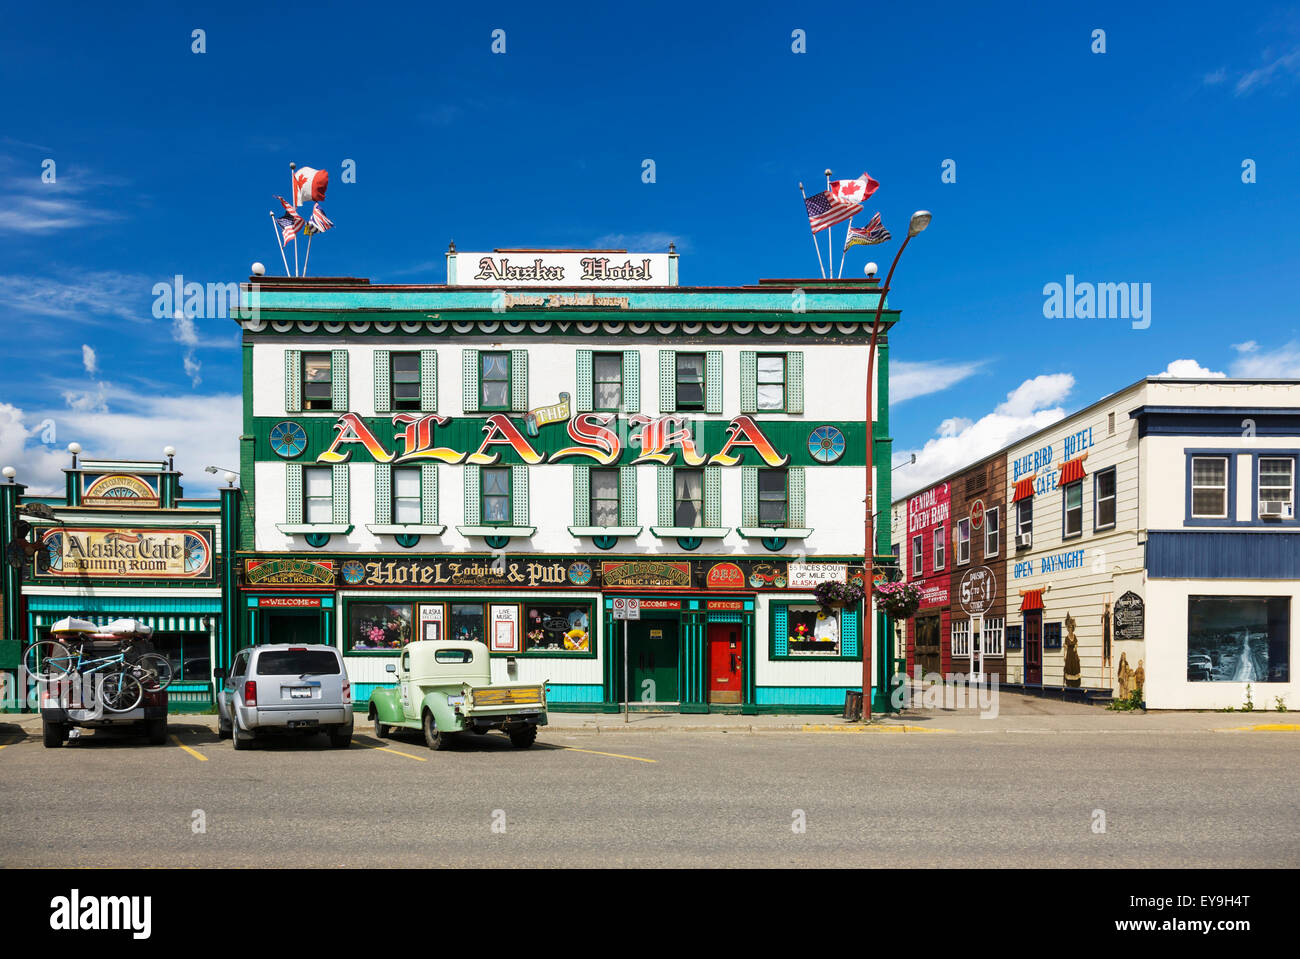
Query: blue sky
point(1122, 166)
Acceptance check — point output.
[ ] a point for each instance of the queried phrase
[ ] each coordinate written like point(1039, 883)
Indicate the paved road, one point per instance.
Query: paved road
point(1171, 798)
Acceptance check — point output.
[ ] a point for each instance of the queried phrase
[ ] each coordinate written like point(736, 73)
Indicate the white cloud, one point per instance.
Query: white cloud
point(1281, 363)
point(654, 242)
point(88, 359)
point(1190, 369)
point(958, 442)
point(908, 380)
point(1250, 346)
point(80, 297)
point(183, 332)
point(202, 428)
point(1215, 78)
point(30, 205)
point(1280, 66)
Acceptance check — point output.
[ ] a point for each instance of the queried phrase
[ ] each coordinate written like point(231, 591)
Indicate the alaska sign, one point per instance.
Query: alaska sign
point(596, 437)
point(608, 268)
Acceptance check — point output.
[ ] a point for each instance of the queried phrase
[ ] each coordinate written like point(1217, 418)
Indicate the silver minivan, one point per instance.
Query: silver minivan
point(282, 688)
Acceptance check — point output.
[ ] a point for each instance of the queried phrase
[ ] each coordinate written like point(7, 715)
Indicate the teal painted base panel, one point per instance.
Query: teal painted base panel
point(802, 695)
point(574, 693)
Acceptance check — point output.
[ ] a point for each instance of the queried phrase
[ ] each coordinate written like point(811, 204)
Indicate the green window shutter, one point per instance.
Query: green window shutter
point(582, 496)
point(519, 493)
point(631, 381)
point(339, 379)
point(583, 391)
point(469, 384)
point(713, 496)
point(293, 381)
point(780, 630)
point(472, 504)
point(794, 382)
point(293, 492)
point(383, 493)
point(849, 632)
point(383, 384)
point(748, 381)
point(339, 492)
point(429, 494)
point(749, 495)
point(664, 476)
point(667, 381)
point(627, 496)
point(429, 381)
point(519, 381)
point(713, 381)
point(795, 491)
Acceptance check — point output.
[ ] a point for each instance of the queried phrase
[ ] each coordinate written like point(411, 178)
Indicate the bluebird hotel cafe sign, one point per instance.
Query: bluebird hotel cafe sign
point(599, 268)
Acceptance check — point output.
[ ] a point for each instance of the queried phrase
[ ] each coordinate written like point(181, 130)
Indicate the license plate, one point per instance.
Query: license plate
point(455, 700)
point(300, 692)
point(302, 722)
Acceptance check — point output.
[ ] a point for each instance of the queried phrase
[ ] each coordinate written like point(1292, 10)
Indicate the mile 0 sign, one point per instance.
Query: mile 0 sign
point(978, 589)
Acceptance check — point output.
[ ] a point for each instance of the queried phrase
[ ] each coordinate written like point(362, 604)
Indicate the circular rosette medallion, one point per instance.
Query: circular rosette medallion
point(579, 574)
point(54, 550)
point(288, 439)
point(196, 553)
point(353, 572)
point(826, 444)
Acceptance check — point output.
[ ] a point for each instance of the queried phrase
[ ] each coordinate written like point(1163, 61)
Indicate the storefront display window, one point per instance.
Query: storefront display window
point(813, 632)
point(379, 626)
point(188, 653)
point(1239, 639)
point(467, 622)
point(557, 628)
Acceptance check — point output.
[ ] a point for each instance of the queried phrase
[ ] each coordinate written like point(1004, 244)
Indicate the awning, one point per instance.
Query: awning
point(159, 624)
point(1072, 471)
point(1032, 599)
point(1024, 489)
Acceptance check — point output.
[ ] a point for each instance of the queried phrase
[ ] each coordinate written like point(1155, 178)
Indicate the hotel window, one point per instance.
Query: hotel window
point(405, 380)
point(1072, 521)
point(317, 382)
point(963, 542)
point(495, 494)
point(406, 495)
point(607, 381)
point(773, 498)
point(1013, 637)
point(991, 640)
point(604, 497)
point(803, 629)
point(992, 532)
point(466, 622)
point(1051, 635)
point(771, 382)
point(916, 556)
point(690, 381)
point(318, 498)
point(1276, 482)
point(939, 546)
point(564, 628)
point(375, 627)
point(1103, 495)
point(688, 498)
point(494, 381)
point(1209, 487)
point(1024, 518)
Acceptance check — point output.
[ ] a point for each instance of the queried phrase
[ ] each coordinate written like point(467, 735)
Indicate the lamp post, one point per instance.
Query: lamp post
point(920, 220)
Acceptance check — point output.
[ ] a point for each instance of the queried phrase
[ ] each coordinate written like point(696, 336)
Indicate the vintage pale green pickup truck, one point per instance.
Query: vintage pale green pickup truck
point(445, 687)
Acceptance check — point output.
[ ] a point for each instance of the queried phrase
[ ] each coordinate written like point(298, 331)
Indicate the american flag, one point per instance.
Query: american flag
point(319, 222)
point(290, 225)
point(867, 235)
point(825, 210)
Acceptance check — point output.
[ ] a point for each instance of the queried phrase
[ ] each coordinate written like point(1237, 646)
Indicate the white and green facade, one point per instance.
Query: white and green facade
point(506, 460)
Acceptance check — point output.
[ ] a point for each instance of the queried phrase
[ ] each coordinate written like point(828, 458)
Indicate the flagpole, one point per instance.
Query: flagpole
point(308, 260)
point(293, 197)
point(830, 230)
point(816, 245)
point(280, 241)
point(847, 231)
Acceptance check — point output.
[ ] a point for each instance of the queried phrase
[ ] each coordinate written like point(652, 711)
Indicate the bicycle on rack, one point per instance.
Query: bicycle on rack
point(127, 675)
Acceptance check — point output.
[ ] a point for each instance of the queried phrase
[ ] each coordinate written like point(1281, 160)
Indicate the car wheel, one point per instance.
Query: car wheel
point(223, 728)
point(243, 740)
point(434, 738)
point(523, 738)
point(381, 731)
point(55, 733)
point(341, 738)
point(479, 730)
point(156, 730)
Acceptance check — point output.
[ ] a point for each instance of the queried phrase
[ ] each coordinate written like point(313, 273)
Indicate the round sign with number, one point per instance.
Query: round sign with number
point(978, 589)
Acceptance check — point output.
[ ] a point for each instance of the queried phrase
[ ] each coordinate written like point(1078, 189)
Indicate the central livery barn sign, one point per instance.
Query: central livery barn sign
point(601, 268)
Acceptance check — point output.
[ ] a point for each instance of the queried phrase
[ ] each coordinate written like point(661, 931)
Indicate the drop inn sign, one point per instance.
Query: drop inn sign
point(580, 426)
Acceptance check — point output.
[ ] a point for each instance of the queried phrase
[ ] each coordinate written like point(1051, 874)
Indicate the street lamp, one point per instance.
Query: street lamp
point(920, 220)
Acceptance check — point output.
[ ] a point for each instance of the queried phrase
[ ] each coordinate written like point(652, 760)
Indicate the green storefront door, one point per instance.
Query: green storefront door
point(652, 660)
point(296, 627)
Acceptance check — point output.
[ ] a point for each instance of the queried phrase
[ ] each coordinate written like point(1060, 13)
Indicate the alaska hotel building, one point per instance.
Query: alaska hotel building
point(1150, 540)
point(502, 456)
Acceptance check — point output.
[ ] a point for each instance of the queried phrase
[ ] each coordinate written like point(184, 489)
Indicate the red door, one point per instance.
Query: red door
point(1034, 648)
point(726, 663)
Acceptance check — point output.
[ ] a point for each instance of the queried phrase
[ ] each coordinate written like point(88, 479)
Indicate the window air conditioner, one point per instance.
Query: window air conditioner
point(1023, 540)
point(1276, 509)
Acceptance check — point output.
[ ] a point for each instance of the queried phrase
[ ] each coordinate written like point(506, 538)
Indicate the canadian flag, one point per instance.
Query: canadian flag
point(854, 191)
point(309, 184)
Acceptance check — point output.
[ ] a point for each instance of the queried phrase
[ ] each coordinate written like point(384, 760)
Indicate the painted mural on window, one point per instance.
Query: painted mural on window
point(1239, 639)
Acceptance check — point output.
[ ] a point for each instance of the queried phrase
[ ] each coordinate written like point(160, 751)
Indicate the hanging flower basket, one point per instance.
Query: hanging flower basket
point(898, 600)
point(831, 595)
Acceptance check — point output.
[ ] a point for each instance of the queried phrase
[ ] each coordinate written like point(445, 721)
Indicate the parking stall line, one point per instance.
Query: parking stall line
point(12, 742)
point(193, 752)
point(385, 749)
point(596, 752)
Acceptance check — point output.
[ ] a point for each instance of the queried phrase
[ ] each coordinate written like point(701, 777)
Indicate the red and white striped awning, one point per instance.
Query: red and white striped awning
point(1031, 599)
point(1024, 489)
point(1072, 471)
